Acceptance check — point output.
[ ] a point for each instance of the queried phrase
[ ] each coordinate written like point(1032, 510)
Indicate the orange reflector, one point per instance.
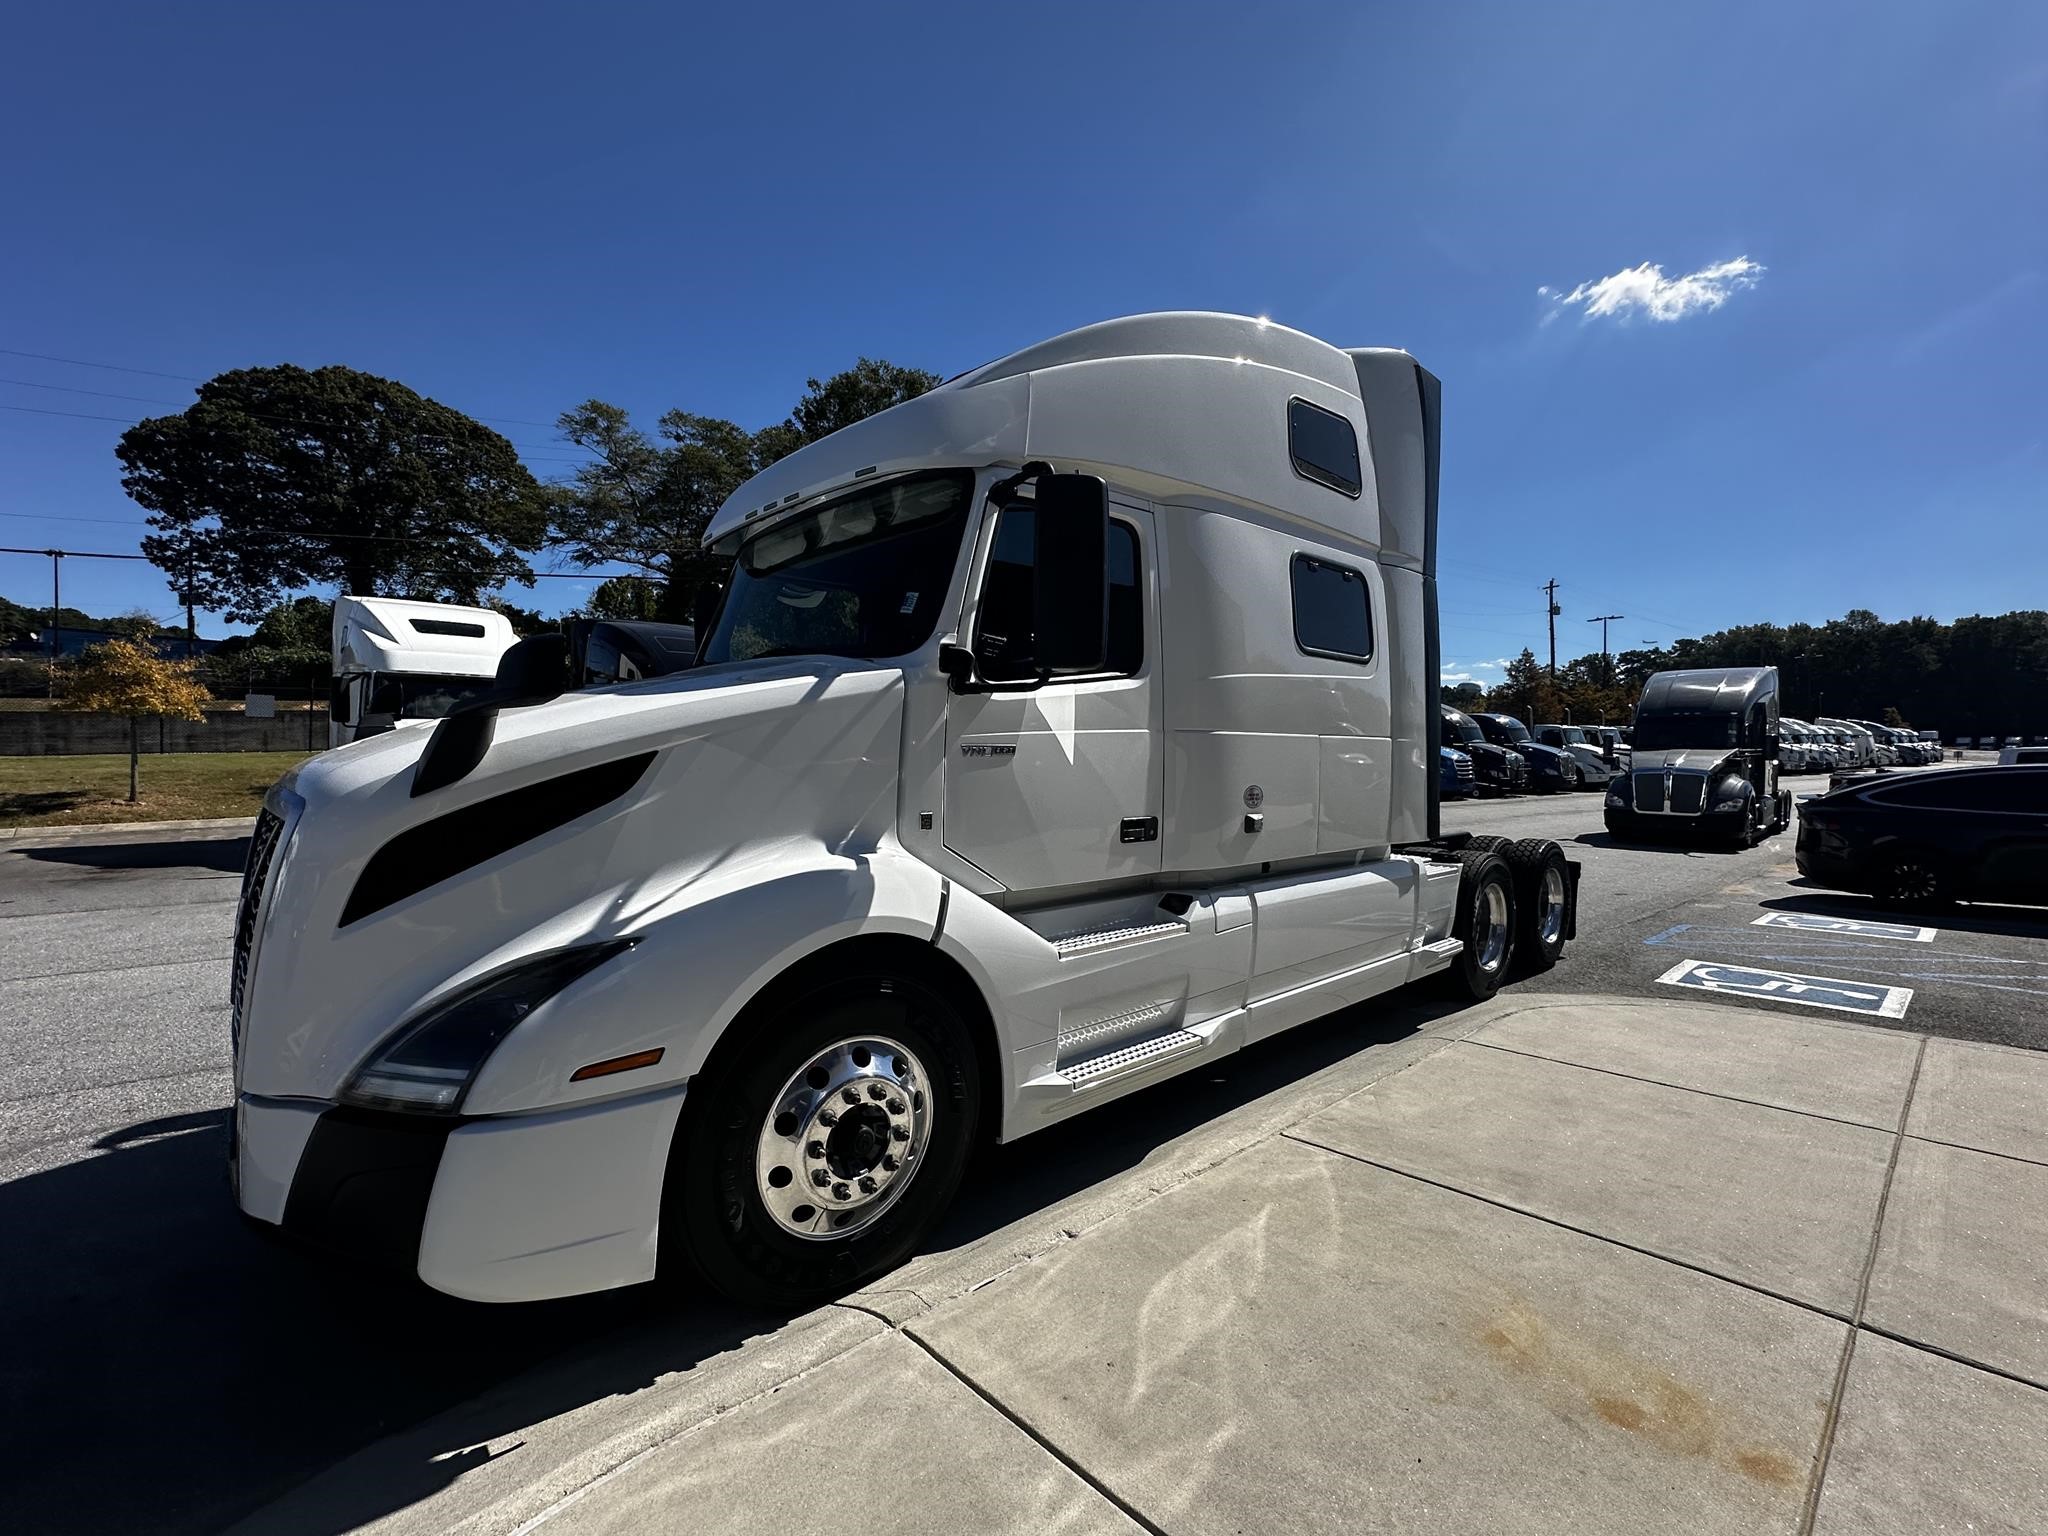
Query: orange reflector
point(616, 1064)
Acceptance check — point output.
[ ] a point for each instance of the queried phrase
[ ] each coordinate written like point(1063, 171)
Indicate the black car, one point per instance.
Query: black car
point(1550, 768)
point(1952, 834)
point(1496, 768)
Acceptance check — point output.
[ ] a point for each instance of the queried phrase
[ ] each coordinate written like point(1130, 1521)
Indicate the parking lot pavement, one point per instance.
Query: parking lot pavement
point(1763, 938)
point(167, 1370)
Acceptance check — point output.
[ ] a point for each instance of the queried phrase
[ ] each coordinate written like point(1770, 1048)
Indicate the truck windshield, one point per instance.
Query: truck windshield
point(423, 696)
point(1575, 737)
point(1462, 728)
point(1685, 728)
point(862, 576)
point(1509, 727)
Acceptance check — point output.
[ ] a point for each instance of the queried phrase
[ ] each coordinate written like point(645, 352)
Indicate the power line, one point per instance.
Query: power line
point(539, 453)
point(68, 389)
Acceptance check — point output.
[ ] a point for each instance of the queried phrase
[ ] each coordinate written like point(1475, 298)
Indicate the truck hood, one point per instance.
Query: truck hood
point(736, 758)
point(1677, 759)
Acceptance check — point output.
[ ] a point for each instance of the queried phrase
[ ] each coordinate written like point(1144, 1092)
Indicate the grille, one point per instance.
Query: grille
point(1688, 793)
point(1650, 791)
point(262, 848)
point(1464, 770)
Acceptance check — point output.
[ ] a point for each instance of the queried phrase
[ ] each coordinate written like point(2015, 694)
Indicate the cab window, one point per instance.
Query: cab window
point(1005, 628)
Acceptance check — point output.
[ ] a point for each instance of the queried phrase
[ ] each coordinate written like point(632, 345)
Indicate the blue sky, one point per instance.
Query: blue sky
point(512, 208)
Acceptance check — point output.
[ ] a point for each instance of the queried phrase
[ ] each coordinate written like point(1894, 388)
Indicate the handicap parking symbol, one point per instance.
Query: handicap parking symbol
point(1847, 927)
point(1787, 987)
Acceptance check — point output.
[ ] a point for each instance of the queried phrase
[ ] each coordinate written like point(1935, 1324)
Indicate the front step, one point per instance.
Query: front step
point(1129, 1058)
point(1089, 941)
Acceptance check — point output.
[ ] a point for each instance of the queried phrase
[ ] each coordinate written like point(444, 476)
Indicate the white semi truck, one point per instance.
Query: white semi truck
point(1064, 729)
point(397, 662)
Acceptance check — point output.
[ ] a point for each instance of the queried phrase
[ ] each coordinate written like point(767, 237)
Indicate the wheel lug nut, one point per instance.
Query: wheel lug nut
point(890, 1165)
point(828, 1117)
point(815, 1149)
point(895, 1106)
point(851, 1095)
point(898, 1133)
point(820, 1177)
point(867, 1184)
point(875, 1091)
point(841, 1192)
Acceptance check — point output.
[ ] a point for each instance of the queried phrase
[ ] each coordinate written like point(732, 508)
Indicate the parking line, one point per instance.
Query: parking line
point(1871, 999)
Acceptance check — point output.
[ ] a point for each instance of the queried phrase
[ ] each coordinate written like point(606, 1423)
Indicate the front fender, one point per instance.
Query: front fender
point(701, 956)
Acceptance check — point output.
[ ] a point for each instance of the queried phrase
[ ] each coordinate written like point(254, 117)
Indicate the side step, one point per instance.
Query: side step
point(1088, 941)
point(1128, 1058)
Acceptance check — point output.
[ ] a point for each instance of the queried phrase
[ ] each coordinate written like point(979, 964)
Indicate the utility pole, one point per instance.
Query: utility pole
point(56, 614)
point(1602, 620)
point(1549, 590)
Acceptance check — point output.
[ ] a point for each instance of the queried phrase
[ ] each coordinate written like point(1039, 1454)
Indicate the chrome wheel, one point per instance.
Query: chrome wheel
point(1550, 902)
point(1493, 927)
point(843, 1138)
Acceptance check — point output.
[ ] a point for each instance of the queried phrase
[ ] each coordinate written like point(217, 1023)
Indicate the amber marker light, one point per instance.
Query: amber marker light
point(613, 1064)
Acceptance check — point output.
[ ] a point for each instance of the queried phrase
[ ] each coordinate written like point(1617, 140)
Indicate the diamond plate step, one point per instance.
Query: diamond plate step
point(1128, 1058)
point(1087, 941)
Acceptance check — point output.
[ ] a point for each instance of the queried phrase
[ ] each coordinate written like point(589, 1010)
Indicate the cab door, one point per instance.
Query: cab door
point(1060, 783)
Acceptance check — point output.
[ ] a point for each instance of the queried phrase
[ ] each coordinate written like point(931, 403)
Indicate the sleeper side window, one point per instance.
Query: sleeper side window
point(1004, 627)
point(1323, 446)
point(1332, 610)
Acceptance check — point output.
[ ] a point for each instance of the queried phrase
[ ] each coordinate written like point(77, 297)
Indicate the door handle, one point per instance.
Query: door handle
point(1138, 829)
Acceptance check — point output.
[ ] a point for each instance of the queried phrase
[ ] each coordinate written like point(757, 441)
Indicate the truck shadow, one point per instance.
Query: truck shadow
point(220, 1369)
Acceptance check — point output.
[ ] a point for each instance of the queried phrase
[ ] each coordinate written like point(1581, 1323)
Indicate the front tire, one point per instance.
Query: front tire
point(823, 1141)
point(1486, 923)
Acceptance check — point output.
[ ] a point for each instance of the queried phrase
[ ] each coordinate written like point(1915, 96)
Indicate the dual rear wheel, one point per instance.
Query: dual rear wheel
point(1514, 910)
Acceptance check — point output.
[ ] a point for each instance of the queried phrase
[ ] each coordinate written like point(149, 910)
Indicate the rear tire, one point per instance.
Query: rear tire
point(1485, 922)
point(769, 1114)
point(1543, 886)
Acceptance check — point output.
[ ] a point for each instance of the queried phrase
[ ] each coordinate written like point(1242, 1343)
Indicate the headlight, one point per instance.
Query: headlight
point(428, 1063)
point(1616, 797)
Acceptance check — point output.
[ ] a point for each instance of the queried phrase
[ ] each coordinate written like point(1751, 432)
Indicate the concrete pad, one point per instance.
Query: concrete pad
point(1774, 1199)
point(1845, 1072)
point(1959, 1264)
point(1984, 1096)
point(881, 1439)
point(1299, 1342)
point(1930, 1446)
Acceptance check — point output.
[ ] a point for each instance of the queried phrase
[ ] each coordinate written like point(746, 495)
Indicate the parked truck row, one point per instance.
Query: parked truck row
point(1490, 753)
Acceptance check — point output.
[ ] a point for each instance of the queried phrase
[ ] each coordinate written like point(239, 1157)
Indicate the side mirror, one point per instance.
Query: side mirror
point(704, 610)
point(339, 702)
point(533, 671)
point(1070, 574)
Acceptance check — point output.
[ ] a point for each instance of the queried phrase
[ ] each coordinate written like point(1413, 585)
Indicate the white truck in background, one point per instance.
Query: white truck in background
point(1061, 730)
point(397, 662)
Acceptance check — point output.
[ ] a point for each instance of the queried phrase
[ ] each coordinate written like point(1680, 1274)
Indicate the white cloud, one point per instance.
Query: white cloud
point(1646, 290)
point(1457, 677)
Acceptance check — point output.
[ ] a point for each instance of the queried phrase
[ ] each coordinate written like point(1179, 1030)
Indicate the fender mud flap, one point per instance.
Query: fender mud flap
point(1571, 905)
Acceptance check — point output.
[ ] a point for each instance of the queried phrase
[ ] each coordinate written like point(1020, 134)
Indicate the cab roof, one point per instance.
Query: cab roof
point(1711, 690)
point(395, 634)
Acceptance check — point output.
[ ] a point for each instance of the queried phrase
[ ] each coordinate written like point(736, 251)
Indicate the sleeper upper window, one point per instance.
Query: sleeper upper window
point(1332, 610)
point(1323, 446)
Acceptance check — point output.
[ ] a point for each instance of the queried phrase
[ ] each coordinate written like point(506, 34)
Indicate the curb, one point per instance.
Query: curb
point(76, 832)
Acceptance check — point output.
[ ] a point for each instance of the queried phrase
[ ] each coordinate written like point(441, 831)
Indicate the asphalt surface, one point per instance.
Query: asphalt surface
point(1645, 909)
point(169, 1370)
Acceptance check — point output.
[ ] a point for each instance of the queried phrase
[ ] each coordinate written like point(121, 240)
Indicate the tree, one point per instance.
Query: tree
point(524, 621)
point(624, 597)
point(646, 503)
point(869, 386)
point(124, 677)
point(279, 479)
